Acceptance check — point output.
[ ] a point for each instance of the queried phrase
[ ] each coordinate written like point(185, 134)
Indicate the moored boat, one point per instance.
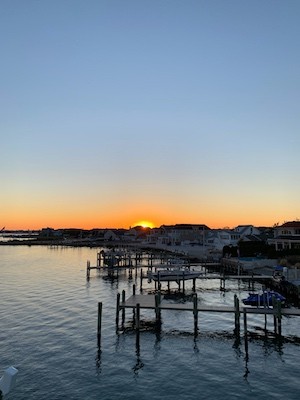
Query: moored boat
point(264, 299)
point(172, 274)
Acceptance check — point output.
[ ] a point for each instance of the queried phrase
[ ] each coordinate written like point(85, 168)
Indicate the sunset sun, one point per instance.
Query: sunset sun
point(145, 224)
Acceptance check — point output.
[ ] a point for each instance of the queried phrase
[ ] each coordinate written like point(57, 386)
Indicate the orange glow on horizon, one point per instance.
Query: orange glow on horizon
point(145, 224)
point(37, 215)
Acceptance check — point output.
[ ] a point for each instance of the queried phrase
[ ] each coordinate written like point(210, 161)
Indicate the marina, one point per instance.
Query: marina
point(163, 271)
point(49, 331)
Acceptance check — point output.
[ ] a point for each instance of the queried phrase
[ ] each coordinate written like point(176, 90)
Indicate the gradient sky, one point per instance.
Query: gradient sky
point(171, 111)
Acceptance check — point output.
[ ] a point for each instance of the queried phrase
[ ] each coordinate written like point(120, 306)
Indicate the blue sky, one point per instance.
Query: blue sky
point(167, 110)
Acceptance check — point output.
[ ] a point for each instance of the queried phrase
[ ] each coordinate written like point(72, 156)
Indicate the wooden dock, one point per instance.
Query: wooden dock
point(148, 302)
point(208, 276)
point(157, 303)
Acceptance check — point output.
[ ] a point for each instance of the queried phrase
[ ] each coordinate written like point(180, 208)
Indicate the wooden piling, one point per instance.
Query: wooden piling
point(236, 314)
point(194, 284)
point(195, 312)
point(245, 333)
point(88, 269)
point(277, 315)
point(137, 324)
point(117, 311)
point(141, 280)
point(99, 324)
point(157, 310)
point(123, 309)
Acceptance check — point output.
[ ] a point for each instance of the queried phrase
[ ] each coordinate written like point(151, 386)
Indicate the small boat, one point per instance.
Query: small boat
point(264, 299)
point(172, 274)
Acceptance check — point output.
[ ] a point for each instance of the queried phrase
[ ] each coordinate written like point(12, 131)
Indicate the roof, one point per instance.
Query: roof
point(290, 224)
point(185, 226)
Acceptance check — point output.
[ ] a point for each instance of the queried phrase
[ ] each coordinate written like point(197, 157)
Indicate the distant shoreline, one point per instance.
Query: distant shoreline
point(191, 252)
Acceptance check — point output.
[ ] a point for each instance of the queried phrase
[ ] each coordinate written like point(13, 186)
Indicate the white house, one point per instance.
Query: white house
point(286, 236)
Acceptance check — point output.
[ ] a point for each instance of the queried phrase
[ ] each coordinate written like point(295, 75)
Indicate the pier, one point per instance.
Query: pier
point(116, 260)
point(122, 258)
point(251, 278)
point(158, 303)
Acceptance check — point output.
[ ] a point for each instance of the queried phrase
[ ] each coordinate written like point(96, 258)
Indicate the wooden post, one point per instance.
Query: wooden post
point(88, 269)
point(157, 310)
point(137, 324)
point(133, 309)
point(99, 324)
point(195, 312)
point(245, 333)
point(117, 311)
point(141, 280)
point(158, 280)
point(123, 309)
point(237, 314)
point(194, 284)
point(183, 283)
point(277, 315)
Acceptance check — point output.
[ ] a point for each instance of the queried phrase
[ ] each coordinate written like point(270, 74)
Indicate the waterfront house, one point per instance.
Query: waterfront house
point(286, 236)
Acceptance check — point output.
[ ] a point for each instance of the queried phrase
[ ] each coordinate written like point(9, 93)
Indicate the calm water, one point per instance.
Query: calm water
point(48, 314)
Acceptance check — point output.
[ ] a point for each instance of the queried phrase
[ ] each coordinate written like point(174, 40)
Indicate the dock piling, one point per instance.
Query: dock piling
point(117, 311)
point(88, 269)
point(123, 308)
point(245, 333)
point(195, 312)
point(141, 280)
point(236, 315)
point(157, 310)
point(137, 325)
point(99, 324)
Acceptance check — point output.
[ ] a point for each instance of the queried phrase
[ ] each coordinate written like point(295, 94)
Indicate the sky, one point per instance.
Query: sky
point(114, 112)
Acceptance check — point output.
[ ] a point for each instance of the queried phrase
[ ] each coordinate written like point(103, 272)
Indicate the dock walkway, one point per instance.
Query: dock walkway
point(158, 303)
point(149, 302)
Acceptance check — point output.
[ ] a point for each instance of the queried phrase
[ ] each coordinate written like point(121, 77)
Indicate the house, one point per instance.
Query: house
point(111, 235)
point(185, 233)
point(246, 230)
point(286, 236)
point(137, 233)
point(175, 235)
point(219, 238)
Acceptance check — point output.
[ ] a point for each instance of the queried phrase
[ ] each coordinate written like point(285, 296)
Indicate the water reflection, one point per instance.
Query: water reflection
point(139, 364)
point(98, 362)
point(196, 349)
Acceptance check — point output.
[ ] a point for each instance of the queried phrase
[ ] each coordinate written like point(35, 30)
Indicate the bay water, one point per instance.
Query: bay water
point(48, 331)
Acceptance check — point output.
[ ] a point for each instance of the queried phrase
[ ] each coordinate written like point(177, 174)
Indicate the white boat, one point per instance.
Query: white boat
point(173, 274)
